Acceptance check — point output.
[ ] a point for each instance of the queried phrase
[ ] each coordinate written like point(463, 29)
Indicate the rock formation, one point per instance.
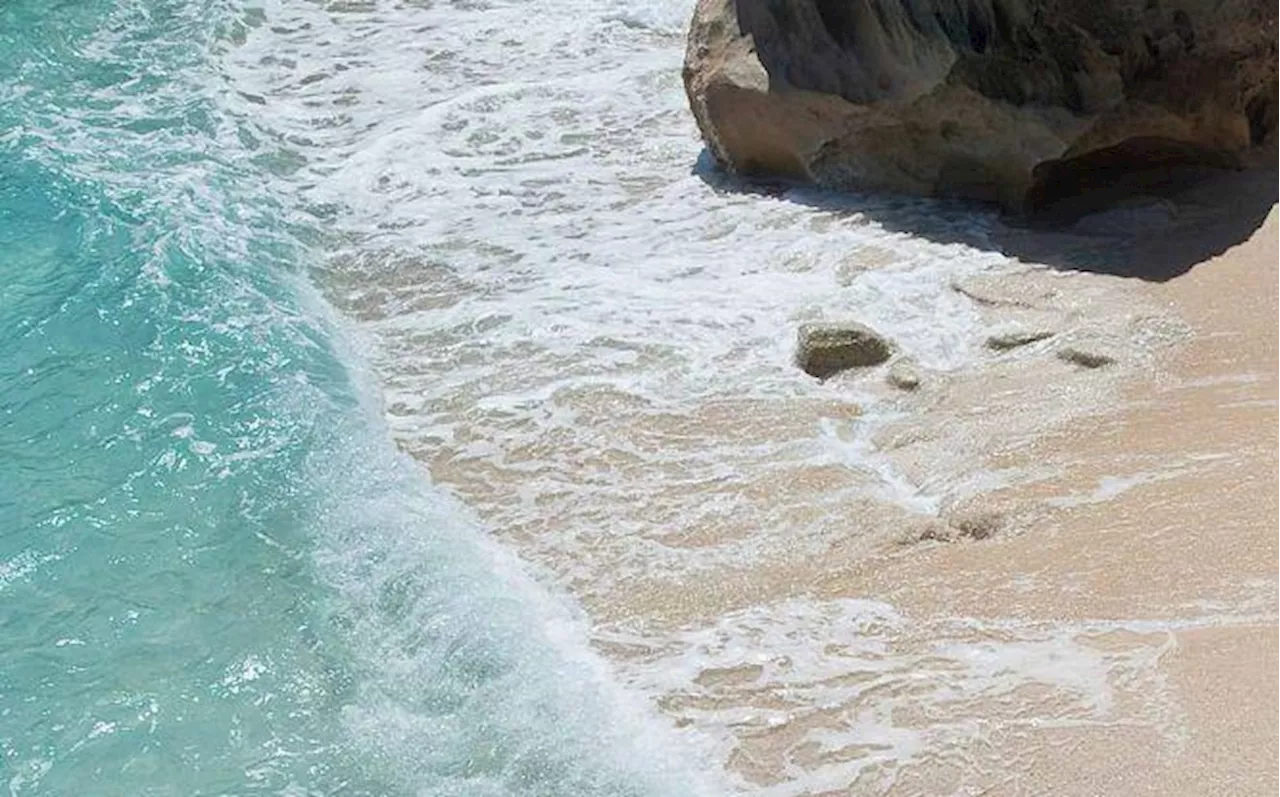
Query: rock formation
point(1023, 102)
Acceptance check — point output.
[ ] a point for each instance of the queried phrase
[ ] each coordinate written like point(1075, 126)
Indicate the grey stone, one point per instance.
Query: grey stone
point(1085, 359)
point(904, 375)
point(930, 530)
point(977, 524)
point(1005, 341)
point(827, 348)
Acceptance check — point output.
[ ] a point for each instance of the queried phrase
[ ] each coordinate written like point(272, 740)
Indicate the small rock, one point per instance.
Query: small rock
point(927, 531)
point(1012, 340)
point(904, 376)
point(826, 349)
point(1085, 359)
point(961, 524)
point(977, 525)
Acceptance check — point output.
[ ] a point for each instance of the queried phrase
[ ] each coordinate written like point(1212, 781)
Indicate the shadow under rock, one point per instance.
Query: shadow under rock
point(1182, 219)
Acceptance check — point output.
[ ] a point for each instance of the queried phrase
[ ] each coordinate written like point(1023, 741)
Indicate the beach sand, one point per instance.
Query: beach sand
point(1116, 632)
point(1184, 548)
point(1035, 577)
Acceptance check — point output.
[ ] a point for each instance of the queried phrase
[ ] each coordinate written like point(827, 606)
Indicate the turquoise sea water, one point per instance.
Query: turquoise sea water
point(216, 574)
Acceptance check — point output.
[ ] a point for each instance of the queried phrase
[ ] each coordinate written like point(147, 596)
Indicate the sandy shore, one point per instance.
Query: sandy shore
point(1028, 576)
point(1162, 520)
point(1116, 632)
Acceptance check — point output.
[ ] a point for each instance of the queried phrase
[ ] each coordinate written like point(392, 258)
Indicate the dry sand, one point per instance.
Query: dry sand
point(1189, 548)
point(1117, 632)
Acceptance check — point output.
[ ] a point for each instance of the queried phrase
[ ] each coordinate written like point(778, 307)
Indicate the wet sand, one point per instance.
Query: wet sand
point(1031, 576)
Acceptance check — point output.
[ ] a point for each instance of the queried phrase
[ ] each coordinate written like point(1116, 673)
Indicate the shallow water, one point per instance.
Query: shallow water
point(217, 574)
point(578, 324)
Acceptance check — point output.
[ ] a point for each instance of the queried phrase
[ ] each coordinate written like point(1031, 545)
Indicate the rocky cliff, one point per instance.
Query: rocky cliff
point(1022, 102)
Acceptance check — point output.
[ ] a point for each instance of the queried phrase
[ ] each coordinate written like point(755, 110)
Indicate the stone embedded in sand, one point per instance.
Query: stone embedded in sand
point(929, 530)
point(1013, 340)
point(1024, 102)
point(962, 524)
point(977, 524)
point(828, 348)
point(1085, 359)
point(904, 375)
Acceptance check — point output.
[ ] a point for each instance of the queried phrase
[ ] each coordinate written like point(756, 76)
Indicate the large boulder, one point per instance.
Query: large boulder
point(1017, 101)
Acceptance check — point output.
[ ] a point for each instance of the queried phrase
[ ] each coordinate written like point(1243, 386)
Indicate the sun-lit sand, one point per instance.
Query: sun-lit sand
point(1032, 576)
point(1161, 521)
point(1117, 634)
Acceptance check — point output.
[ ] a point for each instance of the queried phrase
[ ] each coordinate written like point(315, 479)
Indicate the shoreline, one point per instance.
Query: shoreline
point(583, 332)
point(1193, 546)
point(1138, 552)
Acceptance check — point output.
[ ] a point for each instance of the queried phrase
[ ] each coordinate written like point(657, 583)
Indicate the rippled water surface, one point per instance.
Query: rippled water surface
point(217, 575)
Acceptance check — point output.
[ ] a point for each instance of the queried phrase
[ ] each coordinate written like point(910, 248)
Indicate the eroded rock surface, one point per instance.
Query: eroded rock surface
point(1024, 102)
